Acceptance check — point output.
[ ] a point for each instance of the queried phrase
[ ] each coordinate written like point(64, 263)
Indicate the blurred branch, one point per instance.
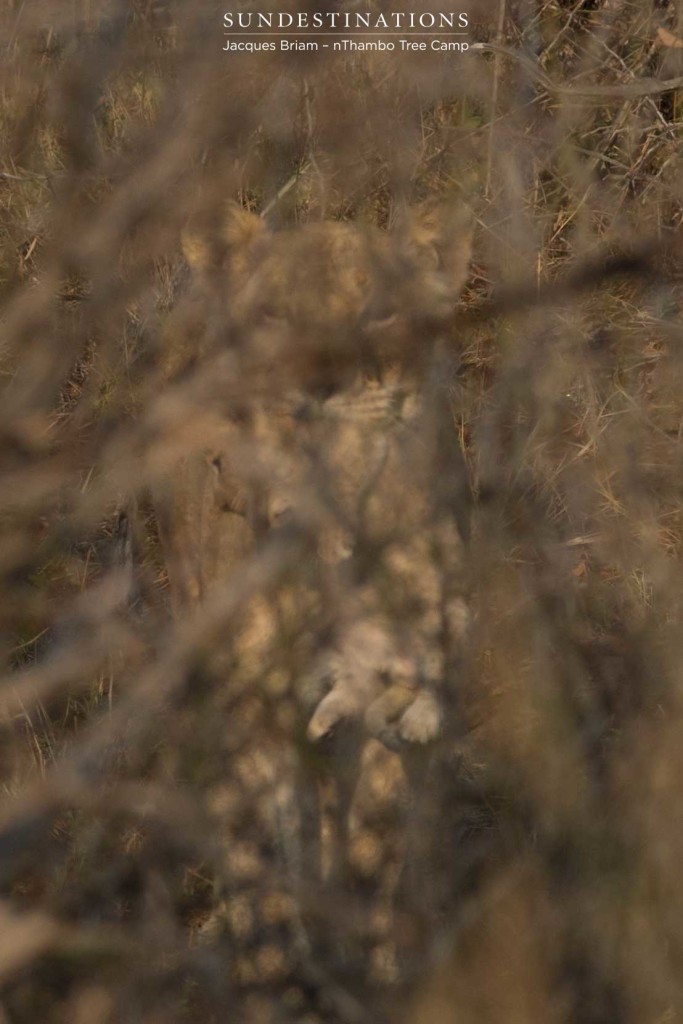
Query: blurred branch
point(585, 276)
point(634, 90)
point(494, 93)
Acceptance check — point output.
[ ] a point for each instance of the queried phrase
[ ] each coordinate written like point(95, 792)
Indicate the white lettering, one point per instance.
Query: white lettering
point(246, 46)
point(295, 44)
point(449, 44)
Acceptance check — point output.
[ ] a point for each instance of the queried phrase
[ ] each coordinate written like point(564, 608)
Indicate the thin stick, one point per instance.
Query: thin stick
point(634, 90)
point(497, 65)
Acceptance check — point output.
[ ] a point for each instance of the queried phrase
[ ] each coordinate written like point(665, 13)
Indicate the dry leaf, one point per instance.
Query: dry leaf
point(667, 38)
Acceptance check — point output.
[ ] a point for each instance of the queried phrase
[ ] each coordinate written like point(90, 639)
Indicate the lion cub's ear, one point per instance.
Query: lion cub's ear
point(209, 246)
point(241, 227)
point(438, 236)
point(242, 233)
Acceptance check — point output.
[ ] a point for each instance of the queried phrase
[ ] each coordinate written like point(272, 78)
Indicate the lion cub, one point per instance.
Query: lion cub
point(309, 358)
point(314, 356)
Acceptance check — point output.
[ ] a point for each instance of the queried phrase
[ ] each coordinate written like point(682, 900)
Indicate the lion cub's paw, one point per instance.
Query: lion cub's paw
point(422, 721)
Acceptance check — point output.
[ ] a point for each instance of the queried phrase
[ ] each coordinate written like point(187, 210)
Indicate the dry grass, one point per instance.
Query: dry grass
point(156, 847)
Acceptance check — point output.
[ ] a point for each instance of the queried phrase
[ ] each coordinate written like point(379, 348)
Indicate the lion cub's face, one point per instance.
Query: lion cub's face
point(322, 302)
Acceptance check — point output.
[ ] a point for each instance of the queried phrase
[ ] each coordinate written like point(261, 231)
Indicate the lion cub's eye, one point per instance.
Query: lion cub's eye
point(322, 390)
point(379, 315)
point(270, 313)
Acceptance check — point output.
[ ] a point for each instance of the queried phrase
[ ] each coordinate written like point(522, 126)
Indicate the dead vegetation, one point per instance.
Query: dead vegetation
point(340, 611)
